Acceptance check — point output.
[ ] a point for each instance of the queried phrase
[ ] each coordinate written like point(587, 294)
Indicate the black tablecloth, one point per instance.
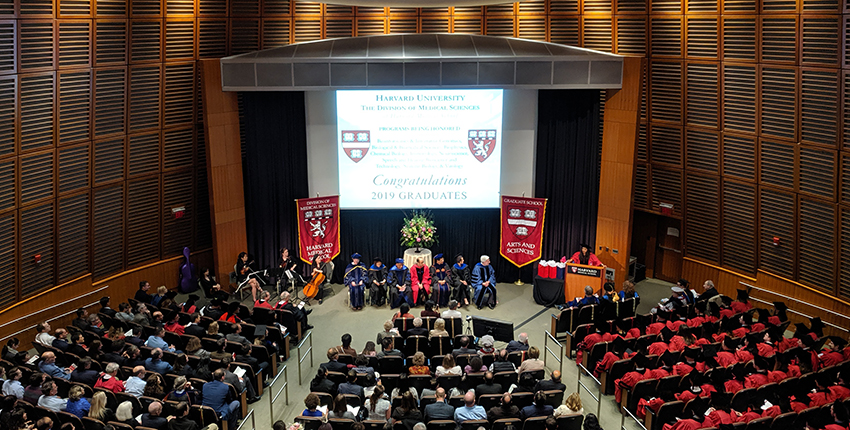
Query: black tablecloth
point(549, 292)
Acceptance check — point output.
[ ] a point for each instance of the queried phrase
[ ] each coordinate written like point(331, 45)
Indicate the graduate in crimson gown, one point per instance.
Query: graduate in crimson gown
point(420, 281)
point(584, 256)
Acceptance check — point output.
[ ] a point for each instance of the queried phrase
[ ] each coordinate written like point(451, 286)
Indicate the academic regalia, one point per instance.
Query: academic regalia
point(461, 272)
point(605, 364)
point(829, 358)
point(674, 325)
point(776, 375)
point(589, 260)
point(773, 412)
point(726, 358)
point(659, 373)
point(717, 417)
point(732, 386)
point(356, 277)
point(583, 301)
point(748, 416)
point(688, 424)
point(628, 381)
point(441, 279)
point(399, 277)
point(655, 328)
point(838, 392)
point(484, 295)
point(420, 281)
point(756, 380)
point(378, 284)
point(743, 355)
point(657, 348)
point(653, 404)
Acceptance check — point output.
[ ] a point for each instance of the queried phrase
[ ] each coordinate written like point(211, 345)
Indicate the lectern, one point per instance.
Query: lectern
point(578, 276)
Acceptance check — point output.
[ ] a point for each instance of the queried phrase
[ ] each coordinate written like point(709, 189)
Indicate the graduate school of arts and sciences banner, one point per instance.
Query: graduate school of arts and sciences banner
point(318, 227)
point(522, 229)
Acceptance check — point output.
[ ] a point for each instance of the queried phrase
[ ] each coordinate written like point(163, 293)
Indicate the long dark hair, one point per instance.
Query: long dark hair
point(376, 395)
point(340, 405)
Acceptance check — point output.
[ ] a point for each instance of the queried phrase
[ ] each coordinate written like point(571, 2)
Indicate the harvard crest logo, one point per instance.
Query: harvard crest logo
point(523, 222)
point(482, 143)
point(356, 143)
point(318, 222)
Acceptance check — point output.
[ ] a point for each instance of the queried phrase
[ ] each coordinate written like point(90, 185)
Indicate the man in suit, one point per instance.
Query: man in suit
point(350, 385)
point(551, 384)
point(142, 295)
point(134, 357)
point(464, 347)
point(216, 395)
point(488, 387)
point(236, 335)
point(439, 410)
point(244, 356)
point(61, 342)
point(154, 363)
point(520, 344)
point(505, 410)
point(240, 383)
point(104, 307)
point(80, 321)
point(143, 315)
point(538, 409)
point(333, 365)
point(387, 349)
point(194, 327)
point(417, 329)
point(152, 418)
point(115, 353)
point(83, 373)
point(48, 366)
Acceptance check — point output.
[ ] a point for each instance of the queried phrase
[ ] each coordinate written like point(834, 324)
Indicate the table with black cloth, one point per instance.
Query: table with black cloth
point(549, 292)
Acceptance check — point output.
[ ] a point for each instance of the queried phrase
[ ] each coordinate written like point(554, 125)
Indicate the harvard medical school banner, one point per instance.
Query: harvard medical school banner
point(318, 227)
point(522, 229)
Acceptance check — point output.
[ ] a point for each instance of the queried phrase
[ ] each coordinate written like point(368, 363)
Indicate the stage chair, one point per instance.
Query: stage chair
point(669, 383)
point(643, 389)
point(562, 323)
point(69, 418)
point(536, 374)
point(516, 358)
point(325, 399)
point(420, 382)
point(618, 369)
point(784, 421)
point(337, 377)
point(426, 400)
point(742, 399)
point(210, 416)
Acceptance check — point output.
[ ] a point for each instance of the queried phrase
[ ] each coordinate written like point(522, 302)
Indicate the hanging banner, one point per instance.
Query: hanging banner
point(318, 227)
point(522, 229)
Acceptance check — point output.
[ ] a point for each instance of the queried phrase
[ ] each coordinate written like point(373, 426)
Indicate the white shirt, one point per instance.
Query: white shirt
point(45, 339)
point(13, 388)
point(448, 313)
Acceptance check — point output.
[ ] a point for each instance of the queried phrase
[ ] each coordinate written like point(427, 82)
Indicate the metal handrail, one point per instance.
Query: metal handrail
point(48, 320)
point(273, 398)
point(302, 357)
point(253, 423)
point(559, 357)
point(598, 396)
point(798, 301)
point(623, 419)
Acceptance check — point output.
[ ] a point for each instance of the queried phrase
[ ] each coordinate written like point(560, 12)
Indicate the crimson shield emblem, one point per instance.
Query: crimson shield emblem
point(523, 221)
point(317, 221)
point(356, 143)
point(482, 143)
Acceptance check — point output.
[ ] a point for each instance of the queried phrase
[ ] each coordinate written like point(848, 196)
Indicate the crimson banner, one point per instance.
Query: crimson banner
point(522, 229)
point(318, 227)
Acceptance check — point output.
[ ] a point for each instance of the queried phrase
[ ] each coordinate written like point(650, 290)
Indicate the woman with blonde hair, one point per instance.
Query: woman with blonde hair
point(439, 329)
point(629, 292)
point(77, 404)
point(160, 294)
point(99, 411)
point(212, 330)
point(532, 361)
point(572, 405)
point(124, 414)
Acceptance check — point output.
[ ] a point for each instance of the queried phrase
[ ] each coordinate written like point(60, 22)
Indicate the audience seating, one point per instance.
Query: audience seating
point(503, 423)
point(534, 423)
point(570, 422)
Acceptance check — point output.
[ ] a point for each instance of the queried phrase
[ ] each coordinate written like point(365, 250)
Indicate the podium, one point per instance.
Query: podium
point(578, 276)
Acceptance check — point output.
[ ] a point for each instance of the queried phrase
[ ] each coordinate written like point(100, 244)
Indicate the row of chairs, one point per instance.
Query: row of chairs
point(565, 422)
point(554, 398)
point(392, 364)
point(568, 319)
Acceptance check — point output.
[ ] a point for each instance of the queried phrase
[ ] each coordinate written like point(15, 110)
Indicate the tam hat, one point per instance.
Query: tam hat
point(801, 330)
point(691, 353)
point(763, 315)
point(838, 341)
point(623, 324)
point(260, 330)
point(701, 305)
point(747, 319)
point(817, 326)
point(697, 408)
point(356, 255)
point(730, 342)
point(709, 351)
point(399, 261)
point(169, 315)
point(754, 338)
point(639, 360)
point(669, 358)
point(743, 296)
point(619, 345)
point(438, 256)
point(780, 311)
point(709, 329)
point(666, 334)
point(808, 342)
point(378, 260)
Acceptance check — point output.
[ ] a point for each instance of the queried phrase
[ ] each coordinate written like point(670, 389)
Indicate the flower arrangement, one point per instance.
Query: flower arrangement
point(295, 426)
point(419, 231)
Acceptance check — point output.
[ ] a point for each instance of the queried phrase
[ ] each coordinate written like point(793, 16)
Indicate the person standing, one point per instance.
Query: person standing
point(355, 279)
point(377, 282)
point(440, 280)
point(484, 281)
point(584, 256)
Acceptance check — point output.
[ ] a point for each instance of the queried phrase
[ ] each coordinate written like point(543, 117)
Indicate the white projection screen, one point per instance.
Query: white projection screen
point(419, 148)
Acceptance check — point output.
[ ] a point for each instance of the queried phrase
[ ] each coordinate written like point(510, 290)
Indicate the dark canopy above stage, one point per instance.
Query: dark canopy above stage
point(421, 61)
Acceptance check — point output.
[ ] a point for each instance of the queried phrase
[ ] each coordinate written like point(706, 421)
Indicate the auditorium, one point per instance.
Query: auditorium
point(424, 215)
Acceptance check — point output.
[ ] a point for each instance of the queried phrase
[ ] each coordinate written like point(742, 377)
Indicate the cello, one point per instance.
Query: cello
point(312, 287)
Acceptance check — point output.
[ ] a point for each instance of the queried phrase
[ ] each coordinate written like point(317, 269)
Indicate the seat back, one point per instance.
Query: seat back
point(516, 358)
point(626, 308)
point(474, 424)
point(505, 423)
point(340, 423)
point(742, 398)
point(586, 314)
point(554, 398)
point(391, 365)
point(441, 425)
point(309, 423)
point(760, 424)
point(505, 379)
point(441, 345)
point(374, 424)
point(448, 381)
point(413, 344)
point(522, 400)
point(92, 424)
point(643, 389)
point(570, 422)
point(668, 413)
point(420, 382)
point(488, 401)
point(534, 423)
point(69, 418)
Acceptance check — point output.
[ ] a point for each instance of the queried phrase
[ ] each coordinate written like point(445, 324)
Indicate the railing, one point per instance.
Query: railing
point(253, 424)
point(273, 397)
point(559, 356)
point(302, 357)
point(798, 301)
point(598, 395)
point(623, 419)
point(52, 307)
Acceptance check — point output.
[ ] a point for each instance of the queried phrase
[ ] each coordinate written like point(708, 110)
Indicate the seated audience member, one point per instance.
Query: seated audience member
point(448, 367)
point(608, 293)
point(350, 385)
point(77, 404)
point(231, 313)
point(157, 298)
point(143, 315)
point(154, 363)
point(311, 406)
point(387, 349)
point(407, 413)
point(105, 307)
point(96, 325)
point(49, 399)
point(181, 419)
point(263, 301)
point(173, 324)
point(476, 365)
point(60, 342)
point(403, 312)
point(340, 409)
point(109, 379)
point(84, 373)
point(489, 386)
point(588, 299)
point(44, 423)
point(216, 394)
point(537, 409)
point(439, 410)
point(469, 410)
point(152, 418)
point(708, 291)
point(333, 365)
point(429, 310)
point(486, 345)
point(43, 337)
point(502, 364)
point(439, 329)
point(12, 386)
point(156, 340)
point(33, 389)
point(241, 384)
point(114, 355)
point(135, 384)
point(182, 367)
point(389, 331)
point(99, 411)
point(417, 329)
point(377, 405)
point(142, 295)
point(591, 422)
point(194, 328)
point(361, 365)
point(155, 386)
point(182, 391)
point(297, 311)
point(49, 367)
point(125, 313)
point(464, 347)
point(628, 292)
point(220, 353)
point(236, 335)
point(506, 409)
point(452, 311)
point(572, 405)
point(346, 348)
point(124, 414)
point(369, 349)
point(533, 362)
point(80, 321)
point(520, 344)
point(321, 383)
point(419, 367)
point(134, 357)
point(554, 383)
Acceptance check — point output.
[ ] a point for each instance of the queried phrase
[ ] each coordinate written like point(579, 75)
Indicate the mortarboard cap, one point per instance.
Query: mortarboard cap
point(709, 351)
point(639, 360)
point(356, 255)
point(817, 326)
point(585, 245)
point(801, 330)
point(730, 342)
point(743, 296)
point(438, 256)
point(666, 334)
point(692, 353)
point(839, 342)
point(259, 330)
point(763, 315)
point(623, 324)
point(378, 260)
point(669, 358)
point(619, 345)
point(399, 261)
point(701, 305)
point(761, 362)
point(714, 308)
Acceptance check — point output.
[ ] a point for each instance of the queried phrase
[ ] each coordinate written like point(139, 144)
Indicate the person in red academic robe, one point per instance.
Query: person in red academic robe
point(628, 381)
point(742, 304)
point(653, 404)
point(747, 417)
point(736, 383)
point(420, 281)
point(589, 341)
point(617, 352)
point(759, 377)
point(584, 256)
point(625, 329)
